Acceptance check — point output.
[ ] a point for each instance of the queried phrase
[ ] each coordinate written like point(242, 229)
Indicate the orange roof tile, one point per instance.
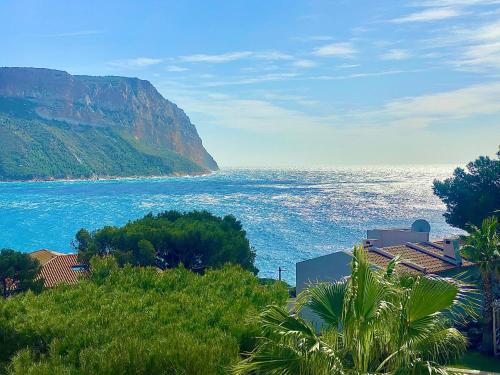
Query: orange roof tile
point(59, 270)
point(432, 264)
point(43, 255)
point(382, 261)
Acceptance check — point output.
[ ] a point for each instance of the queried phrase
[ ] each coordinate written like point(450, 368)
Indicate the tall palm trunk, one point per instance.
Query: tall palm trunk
point(487, 340)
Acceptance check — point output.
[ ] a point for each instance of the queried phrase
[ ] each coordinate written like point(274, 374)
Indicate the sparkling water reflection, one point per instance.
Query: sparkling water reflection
point(290, 215)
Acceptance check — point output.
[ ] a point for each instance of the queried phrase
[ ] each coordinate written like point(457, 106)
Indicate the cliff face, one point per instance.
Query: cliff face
point(130, 107)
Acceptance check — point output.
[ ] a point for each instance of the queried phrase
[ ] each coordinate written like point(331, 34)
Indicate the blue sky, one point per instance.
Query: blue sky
point(290, 83)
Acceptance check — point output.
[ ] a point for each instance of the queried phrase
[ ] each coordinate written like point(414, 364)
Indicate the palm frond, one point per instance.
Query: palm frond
point(429, 296)
point(327, 301)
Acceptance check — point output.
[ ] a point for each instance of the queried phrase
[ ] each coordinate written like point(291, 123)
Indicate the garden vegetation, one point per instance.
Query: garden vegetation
point(135, 320)
point(374, 322)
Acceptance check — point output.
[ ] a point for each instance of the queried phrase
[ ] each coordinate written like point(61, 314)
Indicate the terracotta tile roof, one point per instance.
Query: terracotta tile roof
point(44, 255)
point(382, 261)
point(59, 270)
point(410, 254)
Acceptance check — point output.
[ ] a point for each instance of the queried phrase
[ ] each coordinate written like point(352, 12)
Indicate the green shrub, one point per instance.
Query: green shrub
point(135, 321)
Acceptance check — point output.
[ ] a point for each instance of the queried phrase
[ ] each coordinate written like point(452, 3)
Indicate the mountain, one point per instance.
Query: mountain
point(57, 125)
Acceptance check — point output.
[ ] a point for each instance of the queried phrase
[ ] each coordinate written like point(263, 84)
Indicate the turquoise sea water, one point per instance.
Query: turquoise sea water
point(290, 215)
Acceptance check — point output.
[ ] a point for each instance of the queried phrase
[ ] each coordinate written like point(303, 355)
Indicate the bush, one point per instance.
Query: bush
point(135, 320)
point(197, 239)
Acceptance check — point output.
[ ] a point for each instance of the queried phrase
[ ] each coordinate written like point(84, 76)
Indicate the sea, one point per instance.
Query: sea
point(289, 214)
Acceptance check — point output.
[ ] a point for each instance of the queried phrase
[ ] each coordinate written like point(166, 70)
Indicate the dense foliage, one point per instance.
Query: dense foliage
point(18, 272)
point(195, 239)
point(375, 322)
point(135, 320)
point(34, 148)
point(471, 195)
point(482, 246)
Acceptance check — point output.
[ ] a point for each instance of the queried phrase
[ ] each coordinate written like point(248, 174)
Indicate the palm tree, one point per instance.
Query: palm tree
point(374, 322)
point(482, 246)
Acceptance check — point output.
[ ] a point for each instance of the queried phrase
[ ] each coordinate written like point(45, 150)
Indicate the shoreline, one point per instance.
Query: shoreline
point(110, 178)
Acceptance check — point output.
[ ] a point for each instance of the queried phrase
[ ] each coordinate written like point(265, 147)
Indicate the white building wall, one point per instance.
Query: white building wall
point(327, 268)
point(393, 237)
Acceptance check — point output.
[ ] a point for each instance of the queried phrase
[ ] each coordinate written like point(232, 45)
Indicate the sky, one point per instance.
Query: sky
point(290, 83)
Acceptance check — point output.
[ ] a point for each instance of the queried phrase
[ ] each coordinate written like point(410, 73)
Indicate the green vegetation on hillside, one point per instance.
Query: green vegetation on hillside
point(195, 239)
point(135, 320)
point(33, 148)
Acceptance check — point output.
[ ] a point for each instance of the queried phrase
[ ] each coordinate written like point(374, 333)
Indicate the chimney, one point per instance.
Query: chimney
point(451, 249)
point(369, 242)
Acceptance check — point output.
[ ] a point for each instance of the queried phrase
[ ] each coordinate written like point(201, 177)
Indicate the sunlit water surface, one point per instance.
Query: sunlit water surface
point(289, 215)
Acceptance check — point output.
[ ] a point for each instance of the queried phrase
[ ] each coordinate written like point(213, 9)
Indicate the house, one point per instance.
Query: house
point(418, 255)
point(58, 268)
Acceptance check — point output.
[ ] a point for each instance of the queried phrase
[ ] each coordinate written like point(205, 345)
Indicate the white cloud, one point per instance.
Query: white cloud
point(345, 50)
point(255, 115)
point(220, 58)
point(431, 14)
point(348, 66)
point(362, 75)
point(238, 55)
point(313, 38)
point(175, 68)
point(272, 55)
point(252, 80)
point(396, 54)
point(476, 49)
point(139, 62)
point(304, 64)
point(434, 109)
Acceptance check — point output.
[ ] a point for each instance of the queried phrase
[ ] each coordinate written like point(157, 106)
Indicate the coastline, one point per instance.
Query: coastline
point(111, 178)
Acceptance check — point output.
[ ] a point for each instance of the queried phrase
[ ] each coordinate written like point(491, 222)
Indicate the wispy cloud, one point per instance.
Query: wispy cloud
point(363, 74)
point(220, 58)
point(348, 66)
point(272, 55)
point(304, 63)
point(237, 55)
point(456, 104)
point(476, 48)
point(253, 80)
point(313, 38)
point(255, 115)
point(396, 54)
point(431, 14)
point(139, 62)
point(175, 68)
point(345, 50)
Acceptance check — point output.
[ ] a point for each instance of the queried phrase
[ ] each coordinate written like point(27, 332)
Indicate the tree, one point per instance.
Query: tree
point(197, 239)
point(482, 246)
point(473, 194)
point(375, 322)
point(18, 271)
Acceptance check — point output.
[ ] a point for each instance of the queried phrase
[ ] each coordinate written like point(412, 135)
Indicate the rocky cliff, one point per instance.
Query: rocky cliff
point(130, 127)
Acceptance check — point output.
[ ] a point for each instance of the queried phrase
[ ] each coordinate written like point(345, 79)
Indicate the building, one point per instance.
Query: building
point(418, 255)
point(58, 268)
